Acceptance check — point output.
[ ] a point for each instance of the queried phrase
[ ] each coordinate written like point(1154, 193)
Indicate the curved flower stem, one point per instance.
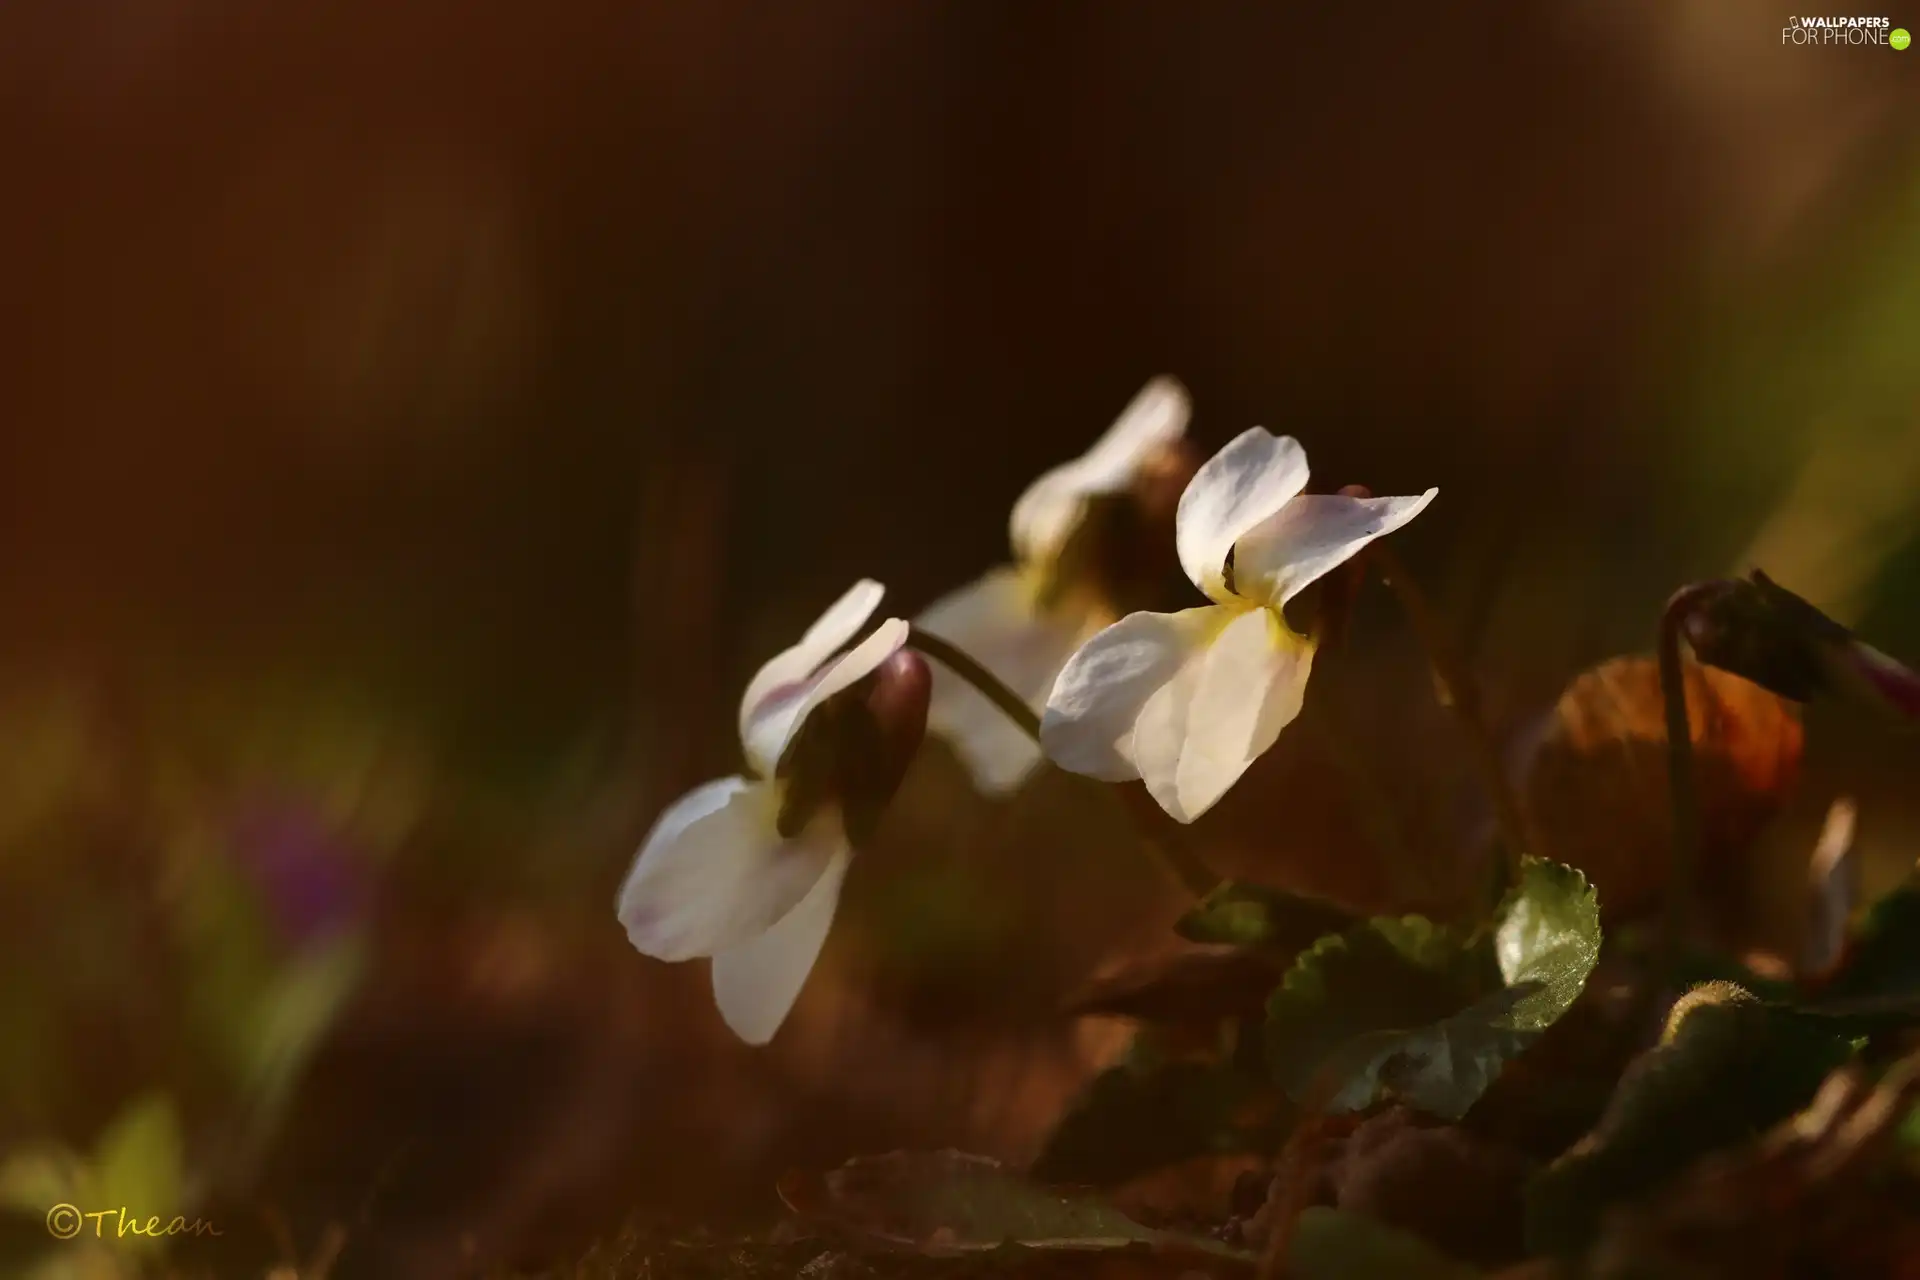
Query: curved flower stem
point(964, 665)
point(1178, 860)
point(1683, 790)
point(1456, 690)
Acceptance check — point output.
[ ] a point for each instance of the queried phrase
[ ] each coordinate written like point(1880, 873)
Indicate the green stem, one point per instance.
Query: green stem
point(1683, 789)
point(1457, 691)
point(1173, 855)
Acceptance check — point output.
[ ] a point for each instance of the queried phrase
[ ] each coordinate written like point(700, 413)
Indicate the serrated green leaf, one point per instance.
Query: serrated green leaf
point(1548, 934)
point(1252, 915)
point(1334, 1244)
point(1430, 1014)
point(1725, 1072)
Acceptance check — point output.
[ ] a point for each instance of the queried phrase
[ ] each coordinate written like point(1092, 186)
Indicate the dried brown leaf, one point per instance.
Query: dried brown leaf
point(1595, 789)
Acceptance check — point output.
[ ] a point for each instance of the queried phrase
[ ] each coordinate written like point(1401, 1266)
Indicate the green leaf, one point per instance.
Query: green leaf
point(1548, 935)
point(949, 1202)
point(1728, 1068)
point(1252, 915)
point(34, 1178)
point(1333, 1244)
point(140, 1165)
point(1144, 1114)
point(1430, 1014)
point(1884, 959)
point(293, 1013)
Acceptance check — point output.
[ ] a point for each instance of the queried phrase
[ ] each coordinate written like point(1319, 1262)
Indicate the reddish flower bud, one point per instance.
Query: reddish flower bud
point(897, 701)
point(854, 748)
point(1865, 673)
point(1759, 630)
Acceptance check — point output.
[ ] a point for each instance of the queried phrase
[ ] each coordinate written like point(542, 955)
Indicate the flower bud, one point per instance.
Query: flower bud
point(1760, 631)
point(896, 703)
point(1706, 994)
point(853, 750)
point(1864, 673)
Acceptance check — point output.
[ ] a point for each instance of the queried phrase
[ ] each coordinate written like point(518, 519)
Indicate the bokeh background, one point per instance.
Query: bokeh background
point(420, 419)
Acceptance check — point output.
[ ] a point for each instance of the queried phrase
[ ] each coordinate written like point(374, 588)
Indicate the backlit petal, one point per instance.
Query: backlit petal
point(1088, 726)
point(855, 665)
point(1045, 515)
point(1233, 491)
point(777, 689)
point(756, 983)
point(768, 733)
point(1311, 536)
point(994, 621)
point(714, 870)
point(1199, 733)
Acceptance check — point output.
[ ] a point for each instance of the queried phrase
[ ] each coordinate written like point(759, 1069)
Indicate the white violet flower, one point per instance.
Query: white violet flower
point(1022, 621)
point(1186, 701)
point(748, 870)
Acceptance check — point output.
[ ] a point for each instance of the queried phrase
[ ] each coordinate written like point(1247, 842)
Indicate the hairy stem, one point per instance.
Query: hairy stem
point(1456, 690)
point(1179, 861)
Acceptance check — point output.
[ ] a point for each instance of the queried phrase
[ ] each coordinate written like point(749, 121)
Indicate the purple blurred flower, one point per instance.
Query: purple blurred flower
point(313, 881)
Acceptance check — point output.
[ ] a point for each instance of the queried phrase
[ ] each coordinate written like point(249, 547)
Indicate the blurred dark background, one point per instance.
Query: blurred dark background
point(420, 419)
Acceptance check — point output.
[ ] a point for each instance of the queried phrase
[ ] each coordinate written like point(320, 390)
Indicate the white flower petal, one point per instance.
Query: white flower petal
point(1045, 515)
point(1311, 536)
point(1234, 490)
point(768, 734)
point(1198, 734)
point(767, 709)
point(756, 983)
point(994, 620)
point(714, 871)
point(1088, 726)
point(853, 666)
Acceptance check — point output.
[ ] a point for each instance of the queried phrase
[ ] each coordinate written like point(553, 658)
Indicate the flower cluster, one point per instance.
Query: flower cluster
point(748, 870)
